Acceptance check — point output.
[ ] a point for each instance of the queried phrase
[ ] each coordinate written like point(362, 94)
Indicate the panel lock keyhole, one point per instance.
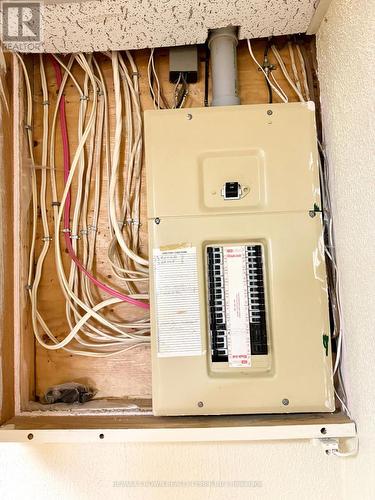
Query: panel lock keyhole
point(231, 191)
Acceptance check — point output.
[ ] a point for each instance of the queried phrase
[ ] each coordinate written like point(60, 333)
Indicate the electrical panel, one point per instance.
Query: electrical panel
point(238, 293)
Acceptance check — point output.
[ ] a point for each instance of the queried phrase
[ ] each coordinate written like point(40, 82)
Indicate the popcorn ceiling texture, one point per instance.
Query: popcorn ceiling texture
point(99, 25)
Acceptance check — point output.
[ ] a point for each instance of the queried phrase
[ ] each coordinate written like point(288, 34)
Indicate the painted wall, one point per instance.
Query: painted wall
point(285, 470)
point(346, 53)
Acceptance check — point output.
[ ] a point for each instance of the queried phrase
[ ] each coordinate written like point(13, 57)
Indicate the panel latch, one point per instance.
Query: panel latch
point(231, 191)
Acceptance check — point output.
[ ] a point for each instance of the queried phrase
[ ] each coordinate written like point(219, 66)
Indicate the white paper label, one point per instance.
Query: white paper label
point(177, 302)
point(237, 306)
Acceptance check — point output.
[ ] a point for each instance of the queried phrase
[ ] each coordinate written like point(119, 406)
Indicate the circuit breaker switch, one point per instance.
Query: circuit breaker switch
point(231, 191)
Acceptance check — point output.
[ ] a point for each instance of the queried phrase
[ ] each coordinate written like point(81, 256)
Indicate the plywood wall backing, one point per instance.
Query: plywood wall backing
point(129, 375)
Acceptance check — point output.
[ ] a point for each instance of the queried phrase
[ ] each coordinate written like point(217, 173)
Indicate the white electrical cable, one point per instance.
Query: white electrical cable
point(130, 272)
point(99, 340)
point(138, 156)
point(88, 231)
point(140, 262)
point(280, 94)
point(43, 210)
point(351, 453)
point(156, 77)
point(303, 70)
point(273, 78)
point(294, 67)
point(115, 166)
point(3, 87)
point(334, 289)
point(151, 71)
point(285, 72)
point(74, 165)
point(28, 126)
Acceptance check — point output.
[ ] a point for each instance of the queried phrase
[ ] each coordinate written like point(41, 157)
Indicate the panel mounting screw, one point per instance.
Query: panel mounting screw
point(157, 220)
point(30, 436)
point(312, 213)
point(269, 112)
point(189, 116)
point(285, 402)
point(200, 404)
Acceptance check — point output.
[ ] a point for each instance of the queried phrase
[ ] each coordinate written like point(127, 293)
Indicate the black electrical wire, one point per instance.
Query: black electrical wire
point(206, 75)
point(184, 90)
point(269, 91)
point(267, 68)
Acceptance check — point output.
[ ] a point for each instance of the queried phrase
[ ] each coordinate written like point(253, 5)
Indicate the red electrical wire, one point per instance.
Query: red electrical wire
point(66, 157)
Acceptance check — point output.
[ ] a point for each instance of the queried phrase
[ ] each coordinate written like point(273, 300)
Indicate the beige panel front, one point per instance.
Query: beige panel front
point(190, 154)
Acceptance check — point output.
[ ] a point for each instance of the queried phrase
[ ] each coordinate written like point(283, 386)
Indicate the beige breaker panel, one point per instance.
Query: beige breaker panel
point(239, 304)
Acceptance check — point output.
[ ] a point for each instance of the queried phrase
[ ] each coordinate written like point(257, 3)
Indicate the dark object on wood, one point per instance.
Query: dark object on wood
point(68, 393)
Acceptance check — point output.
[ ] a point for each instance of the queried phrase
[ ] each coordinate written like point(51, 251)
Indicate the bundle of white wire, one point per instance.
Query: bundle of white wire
point(3, 91)
point(181, 88)
point(91, 333)
point(296, 86)
point(329, 246)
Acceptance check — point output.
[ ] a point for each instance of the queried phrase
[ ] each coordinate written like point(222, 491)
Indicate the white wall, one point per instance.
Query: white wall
point(286, 470)
point(346, 54)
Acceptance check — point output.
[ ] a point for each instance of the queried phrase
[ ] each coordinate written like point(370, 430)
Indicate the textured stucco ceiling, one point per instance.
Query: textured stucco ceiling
point(97, 25)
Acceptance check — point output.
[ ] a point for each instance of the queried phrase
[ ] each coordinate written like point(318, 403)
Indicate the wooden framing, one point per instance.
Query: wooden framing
point(123, 404)
point(173, 429)
point(6, 260)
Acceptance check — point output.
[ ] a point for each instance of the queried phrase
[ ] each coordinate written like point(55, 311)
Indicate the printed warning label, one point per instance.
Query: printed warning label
point(177, 302)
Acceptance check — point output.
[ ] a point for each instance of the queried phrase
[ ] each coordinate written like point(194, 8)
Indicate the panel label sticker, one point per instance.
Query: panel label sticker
point(237, 306)
point(177, 302)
